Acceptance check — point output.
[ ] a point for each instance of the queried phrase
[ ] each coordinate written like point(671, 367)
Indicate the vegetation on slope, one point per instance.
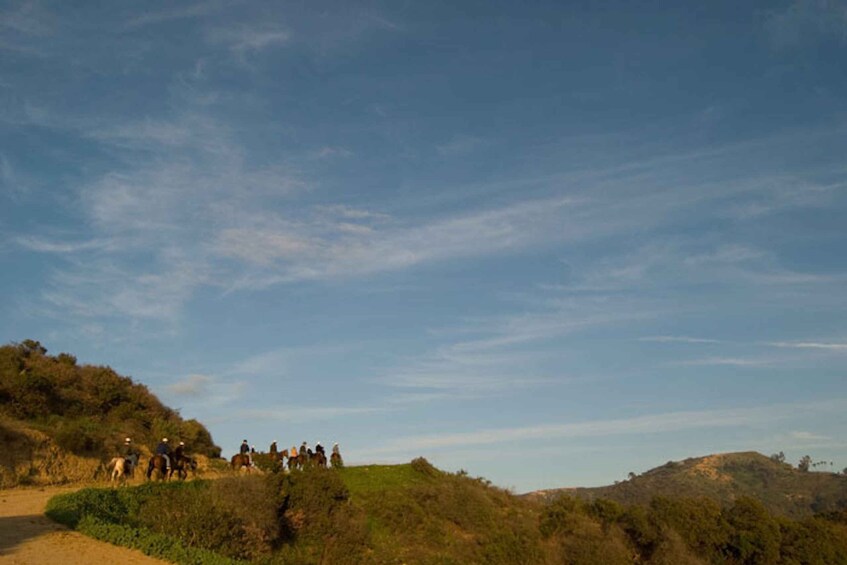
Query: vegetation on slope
point(415, 513)
point(726, 477)
point(50, 405)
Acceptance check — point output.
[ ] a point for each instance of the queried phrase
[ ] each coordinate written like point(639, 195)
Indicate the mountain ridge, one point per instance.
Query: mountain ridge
point(725, 477)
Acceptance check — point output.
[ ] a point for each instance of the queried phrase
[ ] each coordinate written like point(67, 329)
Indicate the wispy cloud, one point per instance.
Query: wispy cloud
point(828, 346)
point(677, 339)
point(646, 424)
point(807, 21)
point(26, 18)
point(246, 39)
point(461, 145)
point(192, 385)
point(724, 361)
point(297, 413)
point(42, 245)
point(807, 436)
point(176, 13)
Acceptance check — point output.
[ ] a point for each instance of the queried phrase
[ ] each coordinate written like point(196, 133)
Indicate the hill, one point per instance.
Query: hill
point(59, 420)
point(415, 513)
point(726, 477)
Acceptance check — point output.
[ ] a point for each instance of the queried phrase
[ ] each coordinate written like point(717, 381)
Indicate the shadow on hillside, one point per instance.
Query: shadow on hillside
point(15, 530)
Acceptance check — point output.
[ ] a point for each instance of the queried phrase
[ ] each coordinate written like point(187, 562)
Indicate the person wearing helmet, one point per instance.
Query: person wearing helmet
point(335, 459)
point(319, 449)
point(164, 449)
point(130, 456)
point(179, 451)
point(273, 449)
point(245, 451)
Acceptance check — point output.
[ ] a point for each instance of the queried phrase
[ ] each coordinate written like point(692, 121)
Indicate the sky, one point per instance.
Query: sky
point(548, 243)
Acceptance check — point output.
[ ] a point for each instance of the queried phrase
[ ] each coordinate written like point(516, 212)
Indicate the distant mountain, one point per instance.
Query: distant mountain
point(59, 420)
point(726, 477)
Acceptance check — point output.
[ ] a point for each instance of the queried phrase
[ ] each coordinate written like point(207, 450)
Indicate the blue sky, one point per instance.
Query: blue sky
point(607, 234)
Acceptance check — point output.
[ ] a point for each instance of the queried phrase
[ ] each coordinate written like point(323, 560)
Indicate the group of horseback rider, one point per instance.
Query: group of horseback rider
point(296, 457)
point(129, 452)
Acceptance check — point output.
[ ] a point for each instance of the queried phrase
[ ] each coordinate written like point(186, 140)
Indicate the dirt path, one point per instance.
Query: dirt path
point(28, 537)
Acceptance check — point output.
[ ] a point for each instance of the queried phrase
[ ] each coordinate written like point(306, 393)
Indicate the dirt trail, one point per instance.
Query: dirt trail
point(28, 537)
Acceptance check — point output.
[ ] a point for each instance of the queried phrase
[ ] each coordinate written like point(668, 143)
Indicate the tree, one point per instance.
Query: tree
point(804, 464)
point(778, 457)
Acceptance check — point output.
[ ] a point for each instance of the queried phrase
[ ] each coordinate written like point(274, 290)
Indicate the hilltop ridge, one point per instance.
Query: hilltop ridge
point(725, 477)
point(59, 420)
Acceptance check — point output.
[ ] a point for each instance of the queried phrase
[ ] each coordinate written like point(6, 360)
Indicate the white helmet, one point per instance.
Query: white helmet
point(164, 439)
point(127, 440)
point(182, 443)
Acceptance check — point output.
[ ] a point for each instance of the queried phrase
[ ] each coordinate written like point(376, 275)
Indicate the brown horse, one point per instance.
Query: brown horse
point(319, 459)
point(182, 465)
point(240, 460)
point(158, 465)
point(335, 460)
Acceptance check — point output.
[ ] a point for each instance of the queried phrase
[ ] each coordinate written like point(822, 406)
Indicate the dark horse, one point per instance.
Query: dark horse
point(240, 460)
point(158, 465)
point(182, 465)
point(319, 459)
point(293, 462)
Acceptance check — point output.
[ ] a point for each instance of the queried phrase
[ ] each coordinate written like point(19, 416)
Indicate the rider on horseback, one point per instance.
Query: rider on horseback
point(130, 455)
point(179, 452)
point(164, 450)
point(245, 451)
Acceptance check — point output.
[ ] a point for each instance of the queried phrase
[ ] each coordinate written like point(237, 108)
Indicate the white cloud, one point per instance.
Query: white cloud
point(192, 385)
point(42, 245)
point(646, 424)
point(809, 345)
point(725, 361)
point(299, 413)
point(245, 39)
point(807, 436)
point(460, 145)
point(177, 13)
point(677, 339)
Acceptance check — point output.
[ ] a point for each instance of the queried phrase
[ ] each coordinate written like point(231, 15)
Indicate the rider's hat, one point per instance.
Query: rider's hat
point(182, 443)
point(164, 439)
point(127, 439)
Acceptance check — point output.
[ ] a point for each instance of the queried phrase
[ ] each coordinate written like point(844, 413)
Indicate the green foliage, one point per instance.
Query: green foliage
point(415, 513)
point(88, 410)
point(724, 478)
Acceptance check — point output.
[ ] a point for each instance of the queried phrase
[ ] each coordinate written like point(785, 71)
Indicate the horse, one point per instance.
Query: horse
point(319, 459)
point(160, 466)
point(182, 465)
point(122, 467)
point(240, 460)
point(293, 462)
point(335, 460)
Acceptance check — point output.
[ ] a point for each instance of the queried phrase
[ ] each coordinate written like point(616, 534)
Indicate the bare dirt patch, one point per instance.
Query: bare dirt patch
point(28, 537)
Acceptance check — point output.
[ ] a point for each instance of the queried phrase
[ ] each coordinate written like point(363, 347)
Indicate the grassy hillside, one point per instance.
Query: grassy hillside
point(59, 420)
point(726, 477)
point(416, 514)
